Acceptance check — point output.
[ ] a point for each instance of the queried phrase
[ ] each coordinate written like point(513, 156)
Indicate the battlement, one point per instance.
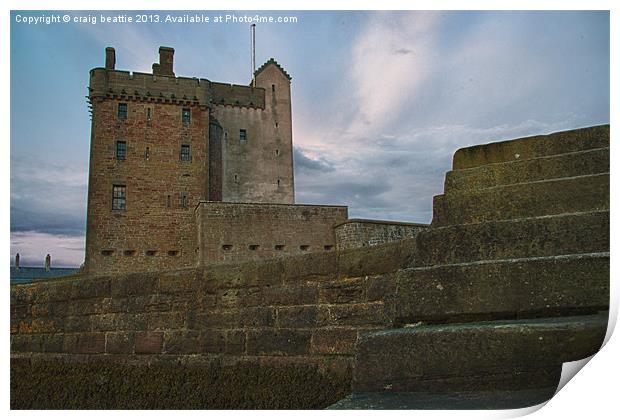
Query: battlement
point(164, 87)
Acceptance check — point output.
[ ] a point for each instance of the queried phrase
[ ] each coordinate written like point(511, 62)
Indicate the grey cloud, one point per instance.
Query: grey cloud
point(47, 197)
point(42, 220)
point(305, 163)
point(403, 51)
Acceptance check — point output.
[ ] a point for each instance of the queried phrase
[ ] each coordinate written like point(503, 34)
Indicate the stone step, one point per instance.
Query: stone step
point(512, 288)
point(532, 147)
point(517, 201)
point(530, 237)
point(482, 356)
point(587, 162)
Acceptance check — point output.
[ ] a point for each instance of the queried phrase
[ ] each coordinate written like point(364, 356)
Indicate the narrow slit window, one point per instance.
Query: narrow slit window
point(185, 115)
point(121, 150)
point(279, 247)
point(149, 114)
point(243, 136)
point(129, 252)
point(118, 197)
point(185, 155)
point(151, 253)
point(107, 252)
point(184, 201)
point(173, 253)
point(147, 154)
point(253, 247)
point(168, 201)
point(304, 247)
point(122, 111)
point(278, 182)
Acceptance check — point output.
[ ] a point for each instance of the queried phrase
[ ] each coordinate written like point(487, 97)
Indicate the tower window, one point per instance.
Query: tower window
point(122, 111)
point(184, 201)
point(118, 197)
point(185, 115)
point(147, 154)
point(278, 182)
point(304, 247)
point(121, 150)
point(185, 156)
point(277, 152)
point(168, 201)
point(279, 247)
point(253, 247)
point(227, 247)
point(273, 88)
point(243, 136)
point(149, 114)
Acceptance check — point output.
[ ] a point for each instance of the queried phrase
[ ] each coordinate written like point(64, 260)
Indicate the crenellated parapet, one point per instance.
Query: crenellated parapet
point(164, 87)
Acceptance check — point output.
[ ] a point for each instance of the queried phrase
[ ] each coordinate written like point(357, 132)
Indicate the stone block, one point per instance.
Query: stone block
point(334, 341)
point(470, 355)
point(523, 200)
point(278, 342)
point(379, 287)
point(149, 342)
point(84, 343)
point(498, 289)
point(256, 317)
point(297, 316)
point(119, 342)
point(290, 294)
point(532, 147)
point(361, 314)
point(223, 341)
point(494, 240)
point(565, 165)
point(342, 291)
point(183, 342)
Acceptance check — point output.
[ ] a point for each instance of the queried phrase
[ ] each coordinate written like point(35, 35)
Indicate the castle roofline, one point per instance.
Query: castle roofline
point(274, 62)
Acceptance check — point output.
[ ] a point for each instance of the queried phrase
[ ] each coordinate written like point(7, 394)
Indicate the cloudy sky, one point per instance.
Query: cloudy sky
point(380, 100)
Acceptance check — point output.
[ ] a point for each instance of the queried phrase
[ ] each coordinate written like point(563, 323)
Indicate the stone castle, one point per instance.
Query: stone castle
point(186, 171)
point(480, 309)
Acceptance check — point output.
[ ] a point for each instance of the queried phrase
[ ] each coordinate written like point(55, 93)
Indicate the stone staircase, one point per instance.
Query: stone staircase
point(510, 281)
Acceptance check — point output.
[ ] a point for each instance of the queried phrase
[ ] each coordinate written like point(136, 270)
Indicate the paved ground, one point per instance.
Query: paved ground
point(488, 400)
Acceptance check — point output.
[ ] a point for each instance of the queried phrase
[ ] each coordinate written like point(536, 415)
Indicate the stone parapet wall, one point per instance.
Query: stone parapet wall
point(169, 89)
point(251, 231)
point(358, 233)
point(309, 308)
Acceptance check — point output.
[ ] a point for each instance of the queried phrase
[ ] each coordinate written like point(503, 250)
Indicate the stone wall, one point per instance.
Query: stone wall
point(155, 230)
point(308, 308)
point(358, 233)
point(241, 232)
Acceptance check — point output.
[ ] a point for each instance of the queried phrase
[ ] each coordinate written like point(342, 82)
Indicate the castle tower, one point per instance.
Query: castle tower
point(160, 144)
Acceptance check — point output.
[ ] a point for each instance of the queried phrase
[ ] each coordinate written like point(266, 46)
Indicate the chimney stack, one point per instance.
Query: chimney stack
point(110, 58)
point(166, 61)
